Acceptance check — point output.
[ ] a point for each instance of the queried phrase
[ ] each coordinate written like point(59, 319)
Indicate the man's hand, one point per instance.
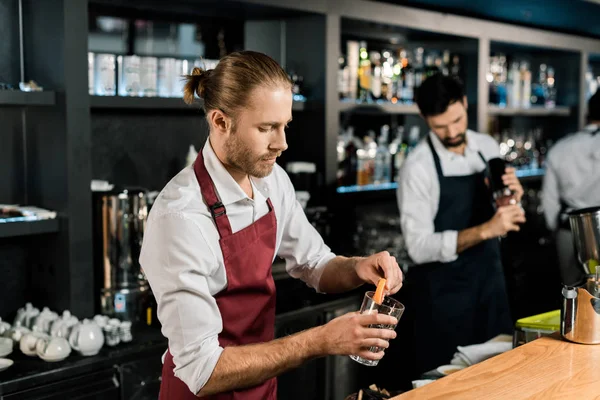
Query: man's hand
point(351, 334)
point(510, 179)
point(505, 220)
point(380, 265)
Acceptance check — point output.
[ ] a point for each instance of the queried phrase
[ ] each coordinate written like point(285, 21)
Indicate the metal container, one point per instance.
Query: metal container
point(105, 75)
point(580, 312)
point(585, 226)
point(119, 224)
point(128, 72)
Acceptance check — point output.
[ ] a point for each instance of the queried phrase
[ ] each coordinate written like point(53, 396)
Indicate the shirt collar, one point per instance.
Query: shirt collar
point(444, 152)
point(227, 188)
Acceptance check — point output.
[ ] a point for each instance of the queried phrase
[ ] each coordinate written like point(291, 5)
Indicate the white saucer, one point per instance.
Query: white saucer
point(5, 351)
point(5, 363)
point(53, 359)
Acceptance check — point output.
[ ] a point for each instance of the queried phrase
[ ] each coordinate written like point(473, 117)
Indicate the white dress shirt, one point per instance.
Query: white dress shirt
point(572, 174)
point(183, 262)
point(419, 193)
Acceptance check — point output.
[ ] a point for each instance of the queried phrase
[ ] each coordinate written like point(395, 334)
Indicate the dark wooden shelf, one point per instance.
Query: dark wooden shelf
point(144, 103)
point(25, 228)
point(381, 107)
point(155, 103)
point(18, 98)
point(533, 111)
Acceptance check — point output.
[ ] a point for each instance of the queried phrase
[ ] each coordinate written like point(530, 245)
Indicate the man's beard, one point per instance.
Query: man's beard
point(240, 157)
point(459, 140)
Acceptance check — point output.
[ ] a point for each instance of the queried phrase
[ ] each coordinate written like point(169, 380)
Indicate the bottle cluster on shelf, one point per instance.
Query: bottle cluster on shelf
point(112, 75)
point(373, 160)
point(371, 76)
point(526, 151)
point(592, 81)
point(512, 84)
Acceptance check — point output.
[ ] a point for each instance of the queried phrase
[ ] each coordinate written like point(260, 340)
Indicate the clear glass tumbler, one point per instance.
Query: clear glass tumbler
point(389, 306)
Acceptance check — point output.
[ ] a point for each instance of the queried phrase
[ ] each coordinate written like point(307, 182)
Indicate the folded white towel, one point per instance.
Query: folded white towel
point(475, 353)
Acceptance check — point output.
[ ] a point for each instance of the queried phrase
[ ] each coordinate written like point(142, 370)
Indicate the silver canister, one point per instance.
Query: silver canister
point(128, 75)
point(119, 226)
point(148, 76)
point(105, 75)
point(580, 312)
point(166, 71)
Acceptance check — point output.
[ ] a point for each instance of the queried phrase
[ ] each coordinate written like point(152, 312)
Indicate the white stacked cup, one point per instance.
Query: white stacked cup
point(125, 332)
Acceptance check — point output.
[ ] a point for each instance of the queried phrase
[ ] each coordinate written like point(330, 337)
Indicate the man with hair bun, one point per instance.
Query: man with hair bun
point(212, 236)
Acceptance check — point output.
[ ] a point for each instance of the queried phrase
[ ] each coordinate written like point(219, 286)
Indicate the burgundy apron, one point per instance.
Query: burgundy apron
point(247, 304)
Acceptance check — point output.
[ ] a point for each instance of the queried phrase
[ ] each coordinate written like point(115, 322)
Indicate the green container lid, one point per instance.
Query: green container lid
point(549, 321)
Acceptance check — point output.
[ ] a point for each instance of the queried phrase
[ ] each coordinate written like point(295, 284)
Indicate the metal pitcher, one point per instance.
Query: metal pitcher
point(580, 313)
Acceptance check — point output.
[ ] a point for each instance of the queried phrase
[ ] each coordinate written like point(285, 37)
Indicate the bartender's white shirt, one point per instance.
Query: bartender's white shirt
point(418, 193)
point(572, 174)
point(183, 262)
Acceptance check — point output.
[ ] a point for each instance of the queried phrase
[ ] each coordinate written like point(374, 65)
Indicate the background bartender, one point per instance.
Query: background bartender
point(451, 230)
point(572, 181)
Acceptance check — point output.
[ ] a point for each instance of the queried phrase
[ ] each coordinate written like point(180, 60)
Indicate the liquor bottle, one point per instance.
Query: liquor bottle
point(456, 70)
point(551, 88)
point(513, 87)
point(446, 62)
point(343, 78)
point(387, 75)
point(376, 75)
point(351, 158)
point(526, 79)
point(540, 88)
point(419, 67)
point(353, 61)
point(383, 163)
point(364, 74)
point(397, 151)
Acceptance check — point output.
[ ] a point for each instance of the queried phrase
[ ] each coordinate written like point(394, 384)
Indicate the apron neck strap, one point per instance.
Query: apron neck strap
point(207, 188)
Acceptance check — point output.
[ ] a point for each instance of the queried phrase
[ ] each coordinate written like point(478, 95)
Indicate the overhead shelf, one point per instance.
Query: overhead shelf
point(367, 188)
point(532, 174)
point(380, 107)
point(18, 98)
point(533, 111)
point(155, 103)
point(146, 103)
point(25, 228)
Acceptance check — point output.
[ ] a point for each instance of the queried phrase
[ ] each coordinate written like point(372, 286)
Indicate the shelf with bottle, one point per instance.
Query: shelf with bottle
point(382, 76)
point(531, 81)
point(526, 151)
point(372, 163)
point(134, 82)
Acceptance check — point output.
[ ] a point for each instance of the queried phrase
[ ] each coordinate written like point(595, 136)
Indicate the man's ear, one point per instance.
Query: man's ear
point(219, 121)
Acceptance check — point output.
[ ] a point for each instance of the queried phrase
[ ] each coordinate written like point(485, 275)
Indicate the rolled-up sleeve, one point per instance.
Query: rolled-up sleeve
point(302, 247)
point(416, 206)
point(177, 262)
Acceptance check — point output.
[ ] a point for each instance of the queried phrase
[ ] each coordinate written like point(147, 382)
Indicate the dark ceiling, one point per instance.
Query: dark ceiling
point(580, 17)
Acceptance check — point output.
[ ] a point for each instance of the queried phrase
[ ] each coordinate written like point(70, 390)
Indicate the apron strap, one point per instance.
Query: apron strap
point(207, 188)
point(436, 158)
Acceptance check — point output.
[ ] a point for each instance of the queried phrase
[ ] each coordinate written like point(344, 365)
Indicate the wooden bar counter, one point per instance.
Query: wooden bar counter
point(546, 368)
